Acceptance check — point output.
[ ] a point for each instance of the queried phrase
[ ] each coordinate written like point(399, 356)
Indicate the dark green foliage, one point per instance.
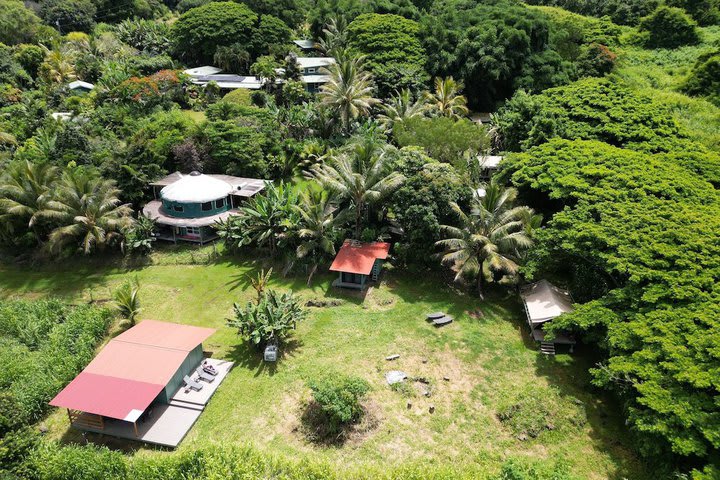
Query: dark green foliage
point(648, 227)
point(668, 27)
point(145, 35)
point(595, 60)
point(623, 12)
point(443, 138)
point(339, 399)
point(271, 32)
point(570, 32)
point(422, 204)
point(705, 12)
point(16, 448)
point(291, 12)
point(69, 15)
point(492, 47)
point(523, 469)
point(392, 46)
point(199, 31)
point(60, 341)
point(590, 109)
point(18, 24)
point(29, 57)
point(11, 71)
point(324, 10)
point(704, 79)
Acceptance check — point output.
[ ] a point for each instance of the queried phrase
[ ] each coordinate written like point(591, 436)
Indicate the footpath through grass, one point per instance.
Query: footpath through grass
point(550, 410)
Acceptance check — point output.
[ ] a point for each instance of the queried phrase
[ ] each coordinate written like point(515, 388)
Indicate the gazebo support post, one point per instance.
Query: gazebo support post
point(201, 236)
point(174, 237)
point(137, 435)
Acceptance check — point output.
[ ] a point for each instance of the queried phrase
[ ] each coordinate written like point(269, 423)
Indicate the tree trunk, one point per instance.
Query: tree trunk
point(480, 292)
point(358, 219)
point(312, 272)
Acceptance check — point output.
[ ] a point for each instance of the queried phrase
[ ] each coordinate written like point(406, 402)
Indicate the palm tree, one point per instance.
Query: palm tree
point(446, 100)
point(349, 90)
point(401, 107)
point(57, 67)
point(127, 300)
point(318, 228)
point(490, 239)
point(359, 173)
point(334, 36)
point(88, 210)
point(24, 193)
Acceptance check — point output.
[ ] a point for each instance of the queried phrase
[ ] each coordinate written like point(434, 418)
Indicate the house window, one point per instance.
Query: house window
point(311, 70)
point(206, 207)
point(193, 230)
point(178, 208)
point(220, 203)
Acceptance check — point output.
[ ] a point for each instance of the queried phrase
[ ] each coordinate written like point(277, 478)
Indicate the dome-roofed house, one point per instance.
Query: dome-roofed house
point(187, 206)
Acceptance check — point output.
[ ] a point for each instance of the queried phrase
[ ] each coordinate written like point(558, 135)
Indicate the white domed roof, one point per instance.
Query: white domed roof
point(196, 188)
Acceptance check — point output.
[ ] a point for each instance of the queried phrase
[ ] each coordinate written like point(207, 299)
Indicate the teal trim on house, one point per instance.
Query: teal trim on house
point(195, 210)
point(192, 360)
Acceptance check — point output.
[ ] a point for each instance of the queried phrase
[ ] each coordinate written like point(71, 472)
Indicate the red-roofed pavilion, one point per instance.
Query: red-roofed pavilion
point(356, 261)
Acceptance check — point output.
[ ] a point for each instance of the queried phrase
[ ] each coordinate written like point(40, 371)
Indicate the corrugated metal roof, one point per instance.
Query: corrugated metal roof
point(159, 334)
point(108, 396)
point(544, 301)
point(359, 257)
point(127, 375)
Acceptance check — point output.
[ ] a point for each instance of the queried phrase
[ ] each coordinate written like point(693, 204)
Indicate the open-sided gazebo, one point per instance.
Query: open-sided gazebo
point(544, 302)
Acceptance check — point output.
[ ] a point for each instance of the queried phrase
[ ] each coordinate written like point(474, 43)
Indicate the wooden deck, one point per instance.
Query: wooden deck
point(161, 424)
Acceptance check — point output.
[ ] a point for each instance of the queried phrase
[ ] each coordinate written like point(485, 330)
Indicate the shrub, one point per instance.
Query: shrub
point(241, 96)
point(16, 448)
point(704, 79)
point(339, 399)
point(595, 60)
point(534, 410)
point(668, 27)
point(270, 319)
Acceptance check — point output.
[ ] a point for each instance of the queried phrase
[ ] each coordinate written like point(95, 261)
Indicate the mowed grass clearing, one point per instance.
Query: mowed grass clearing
point(485, 354)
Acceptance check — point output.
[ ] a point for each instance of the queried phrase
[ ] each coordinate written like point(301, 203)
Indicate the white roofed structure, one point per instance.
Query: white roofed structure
point(196, 188)
point(201, 71)
point(315, 62)
point(79, 84)
point(544, 301)
point(305, 44)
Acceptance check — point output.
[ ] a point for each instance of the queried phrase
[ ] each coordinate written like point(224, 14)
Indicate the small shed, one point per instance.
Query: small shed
point(543, 303)
point(356, 261)
point(488, 165)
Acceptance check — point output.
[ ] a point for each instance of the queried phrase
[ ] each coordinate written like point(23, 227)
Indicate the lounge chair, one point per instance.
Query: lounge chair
point(439, 322)
point(435, 315)
point(202, 375)
point(207, 368)
point(192, 384)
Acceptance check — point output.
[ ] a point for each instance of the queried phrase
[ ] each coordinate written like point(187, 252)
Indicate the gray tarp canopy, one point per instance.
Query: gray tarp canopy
point(544, 301)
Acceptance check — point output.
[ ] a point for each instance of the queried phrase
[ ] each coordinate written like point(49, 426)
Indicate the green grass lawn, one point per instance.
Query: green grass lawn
point(487, 357)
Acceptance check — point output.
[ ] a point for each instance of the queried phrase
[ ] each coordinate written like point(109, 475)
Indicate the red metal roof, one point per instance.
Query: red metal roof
point(127, 375)
point(108, 396)
point(167, 335)
point(359, 257)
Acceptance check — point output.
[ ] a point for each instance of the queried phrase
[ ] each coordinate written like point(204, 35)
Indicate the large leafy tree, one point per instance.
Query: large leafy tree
point(200, 31)
point(349, 91)
point(87, 211)
point(489, 239)
point(636, 235)
point(391, 45)
point(486, 45)
point(18, 24)
point(359, 174)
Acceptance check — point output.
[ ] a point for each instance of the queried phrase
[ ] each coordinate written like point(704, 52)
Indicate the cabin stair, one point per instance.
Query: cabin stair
point(548, 348)
point(189, 405)
point(377, 266)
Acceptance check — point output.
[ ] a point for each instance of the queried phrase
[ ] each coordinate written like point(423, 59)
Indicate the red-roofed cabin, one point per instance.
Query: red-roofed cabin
point(136, 373)
point(356, 261)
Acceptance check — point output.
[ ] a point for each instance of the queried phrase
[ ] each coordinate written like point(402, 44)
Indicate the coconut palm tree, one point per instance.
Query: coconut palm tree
point(349, 91)
point(490, 239)
point(58, 67)
point(318, 228)
point(127, 300)
point(359, 173)
point(334, 37)
point(267, 218)
point(446, 100)
point(401, 107)
point(88, 210)
point(24, 193)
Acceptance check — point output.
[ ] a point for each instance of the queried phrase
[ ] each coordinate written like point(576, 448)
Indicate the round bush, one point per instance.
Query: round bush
point(668, 27)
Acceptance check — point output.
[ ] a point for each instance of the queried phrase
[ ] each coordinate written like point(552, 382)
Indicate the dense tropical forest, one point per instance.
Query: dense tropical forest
point(607, 114)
